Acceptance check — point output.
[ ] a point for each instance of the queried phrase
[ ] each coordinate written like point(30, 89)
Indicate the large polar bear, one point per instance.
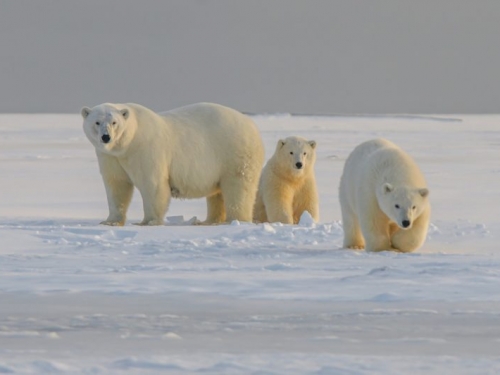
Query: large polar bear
point(201, 150)
point(287, 185)
point(384, 199)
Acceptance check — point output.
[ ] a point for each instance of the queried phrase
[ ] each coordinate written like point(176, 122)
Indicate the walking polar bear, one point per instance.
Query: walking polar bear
point(384, 199)
point(287, 185)
point(201, 150)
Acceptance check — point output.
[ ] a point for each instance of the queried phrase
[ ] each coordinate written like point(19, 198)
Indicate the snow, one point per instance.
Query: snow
point(77, 297)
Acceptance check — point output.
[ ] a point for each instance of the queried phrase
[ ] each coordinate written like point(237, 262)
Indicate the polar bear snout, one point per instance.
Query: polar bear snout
point(299, 165)
point(406, 223)
point(106, 138)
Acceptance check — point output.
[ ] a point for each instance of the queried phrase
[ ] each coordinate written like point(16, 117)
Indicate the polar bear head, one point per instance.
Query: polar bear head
point(402, 204)
point(296, 155)
point(107, 128)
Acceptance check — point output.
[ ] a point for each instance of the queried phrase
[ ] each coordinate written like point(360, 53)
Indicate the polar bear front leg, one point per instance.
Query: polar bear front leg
point(306, 199)
point(376, 233)
point(119, 189)
point(279, 205)
point(216, 213)
point(119, 195)
point(259, 211)
point(411, 239)
point(155, 201)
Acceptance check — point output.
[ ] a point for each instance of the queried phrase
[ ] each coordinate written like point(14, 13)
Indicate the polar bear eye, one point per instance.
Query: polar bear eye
point(291, 152)
point(305, 153)
point(397, 206)
point(114, 122)
point(414, 208)
point(97, 123)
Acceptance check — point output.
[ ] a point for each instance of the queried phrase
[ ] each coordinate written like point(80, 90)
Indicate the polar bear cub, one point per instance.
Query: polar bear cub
point(384, 199)
point(287, 185)
point(201, 150)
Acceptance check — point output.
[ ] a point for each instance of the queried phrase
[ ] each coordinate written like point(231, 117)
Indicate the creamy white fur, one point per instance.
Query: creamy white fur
point(201, 150)
point(381, 188)
point(286, 191)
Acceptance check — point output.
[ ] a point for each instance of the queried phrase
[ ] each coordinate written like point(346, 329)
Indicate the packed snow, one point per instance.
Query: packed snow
point(242, 298)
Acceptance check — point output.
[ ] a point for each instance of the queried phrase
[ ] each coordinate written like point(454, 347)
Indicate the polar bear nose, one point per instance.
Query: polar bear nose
point(106, 138)
point(406, 223)
point(298, 165)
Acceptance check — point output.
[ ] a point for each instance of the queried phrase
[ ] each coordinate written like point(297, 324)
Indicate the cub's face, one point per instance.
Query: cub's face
point(104, 126)
point(402, 205)
point(296, 154)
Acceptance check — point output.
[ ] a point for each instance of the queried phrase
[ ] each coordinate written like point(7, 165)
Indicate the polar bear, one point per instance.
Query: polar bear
point(201, 150)
point(287, 185)
point(384, 199)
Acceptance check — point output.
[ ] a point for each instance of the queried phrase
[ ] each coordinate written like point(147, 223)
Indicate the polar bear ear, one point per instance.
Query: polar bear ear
point(280, 144)
point(423, 192)
point(388, 188)
point(312, 144)
point(85, 112)
point(124, 113)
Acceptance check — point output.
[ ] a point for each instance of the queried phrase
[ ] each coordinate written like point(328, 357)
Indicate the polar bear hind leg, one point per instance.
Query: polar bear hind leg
point(353, 239)
point(239, 197)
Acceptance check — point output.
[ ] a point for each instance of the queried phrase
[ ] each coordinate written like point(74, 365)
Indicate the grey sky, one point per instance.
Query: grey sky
point(314, 57)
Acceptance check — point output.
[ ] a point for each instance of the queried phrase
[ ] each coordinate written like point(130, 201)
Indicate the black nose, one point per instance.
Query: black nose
point(105, 138)
point(406, 223)
point(298, 165)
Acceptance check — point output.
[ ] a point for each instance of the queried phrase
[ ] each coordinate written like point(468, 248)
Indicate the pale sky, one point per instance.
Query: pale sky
point(311, 57)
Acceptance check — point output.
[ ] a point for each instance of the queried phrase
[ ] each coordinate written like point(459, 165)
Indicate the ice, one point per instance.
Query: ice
point(306, 220)
point(243, 298)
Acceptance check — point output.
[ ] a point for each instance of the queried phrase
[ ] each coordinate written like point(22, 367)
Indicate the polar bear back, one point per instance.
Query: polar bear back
point(380, 161)
point(200, 126)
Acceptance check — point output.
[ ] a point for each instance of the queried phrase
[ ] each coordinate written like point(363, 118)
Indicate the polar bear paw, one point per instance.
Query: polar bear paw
point(151, 222)
point(356, 247)
point(112, 223)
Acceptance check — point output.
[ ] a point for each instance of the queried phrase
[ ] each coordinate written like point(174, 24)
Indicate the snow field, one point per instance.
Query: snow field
point(77, 297)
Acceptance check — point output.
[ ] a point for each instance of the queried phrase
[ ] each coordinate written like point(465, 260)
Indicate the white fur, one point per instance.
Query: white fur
point(378, 175)
point(286, 191)
point(201, 150)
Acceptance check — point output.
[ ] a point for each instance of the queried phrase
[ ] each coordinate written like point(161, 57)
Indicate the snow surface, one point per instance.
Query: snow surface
point(76, 297)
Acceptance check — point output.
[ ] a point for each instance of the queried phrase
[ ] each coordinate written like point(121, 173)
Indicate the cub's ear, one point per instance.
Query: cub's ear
point(85, 112)
point(423, 192)
point(124, 113)
point(280, 144)
point(388, 188)
point(312, 144)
